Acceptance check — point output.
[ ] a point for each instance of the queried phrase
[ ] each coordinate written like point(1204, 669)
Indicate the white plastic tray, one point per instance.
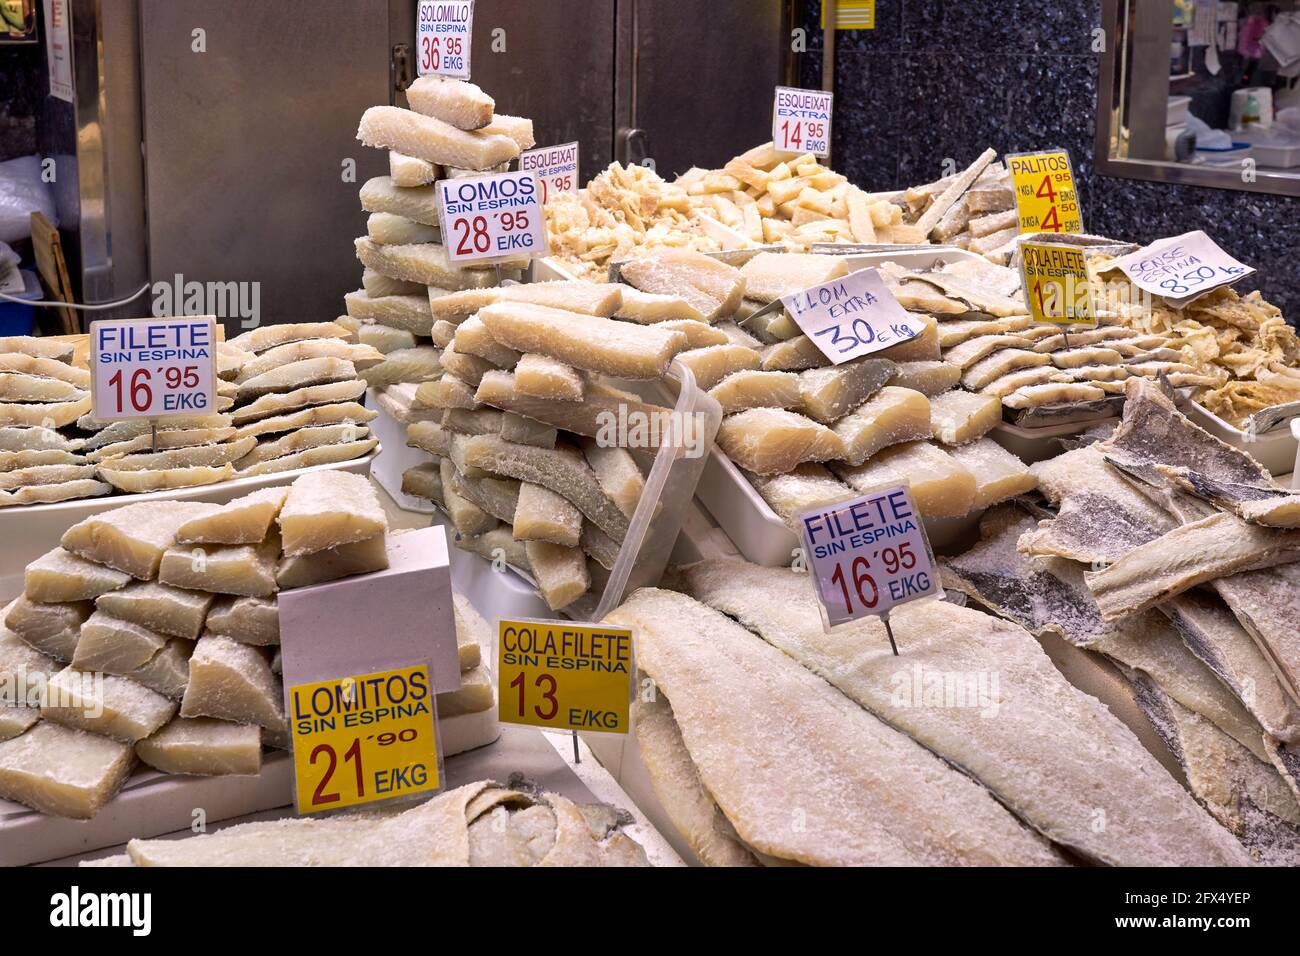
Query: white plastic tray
point(1032, 445)
point(394, 457)
point(1276, 449)
point(29, 531)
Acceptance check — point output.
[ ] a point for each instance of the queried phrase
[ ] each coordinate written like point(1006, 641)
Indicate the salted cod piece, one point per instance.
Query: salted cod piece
point(132, 538)
point(429, 138)
point(677, 784)
point(59, 350)
point(893, 415)
point(1269, 506)
point(304, 439)
point(769, 441)
point(251, 620)
point(713, 288)
point(110, 644)
point(167, 438)
point(294, 375)
point(18, 363)
point(561, 573)
point(283, 403)
point(360, 557)
point(16, 387)
point(424, 481)
point(422, 262)
point(105, 704)
point(59, 575)
point(468, 518)
point(430, 437)
point(1212, 633)
point(46, 415)
point(18, 460)
point(588, 342)
point(197, 456)
point(540, 376)
point(410, 170)
point(361, 356)
point(542, 515)
point(956, 331)
point(561, 469)
point(1022, 754)
point(52, 629)
point(270, 336)
point(754, 388)
point(649, 308)
point(473, 636)
point(582, 297)
point(1053, 393)
point(1267, 604)
point(976, 349)
point(37, 439)
point(407, 313)
point(202, 746)
point(770, 276)
point(496, 545)
point(46, 494)
point(137, 482)
point(392, 229)
point(230, 680)
point(481, 421)
point(473, 338)
point(311, 457)
point(1000, 363)
point(415, 203)
point(168, 671)
point(928, 378)
point(16, 719)
point(173, 611)
point(940, 487)
point(325, 509)
point(808, 486)
point(827, 745)
point(618, 473)
point(525, 431)
point(45, 475)
point(828, 394)
point(243, 569)
point(61, 771)
point(999, 475)
point(18, 660)
point(245, 520)
point(961, 417)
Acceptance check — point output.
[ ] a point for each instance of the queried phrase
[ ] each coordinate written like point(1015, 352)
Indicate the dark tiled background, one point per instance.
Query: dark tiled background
point(944, 79)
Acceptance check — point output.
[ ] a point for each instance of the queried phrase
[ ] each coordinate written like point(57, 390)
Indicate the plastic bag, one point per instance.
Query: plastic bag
point(22, 193)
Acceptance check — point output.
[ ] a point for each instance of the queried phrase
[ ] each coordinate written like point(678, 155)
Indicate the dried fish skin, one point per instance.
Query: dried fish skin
point(52, 629)
point(1270, 506)
point(960, 417)
point(542, 515)
point(940, 487)
point(714, 288)
point(105, 704)
point(202, 746)
point(328, 508)
point(360, 557)
point(173, 611)
point(770, 441)
point(591, 343)
point(430, 139)
point(19, 363)
point(894, 415)
point(467, 517)
point(361, 356)
point(999, 475)
point(561, 469)
point(928, 378)
point(63, 772)
point(233, 681)
point(828, 745)
point(132, 538)
point(770, 276)
point(36, 439)
point(806, 487)
point(15, 387)
point(59, 575)
point(1021, 754)
point(243, 569)
point(311, 457)
point(282, 403)
point(586, 298)
point(561, 573)
point(250, 620)
point(1192, 554)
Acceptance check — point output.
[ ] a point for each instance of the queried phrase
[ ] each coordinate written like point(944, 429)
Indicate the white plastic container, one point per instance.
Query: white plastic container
point(394, 457)
point(29, 531)
point(1275, 449)
point(1032, 445)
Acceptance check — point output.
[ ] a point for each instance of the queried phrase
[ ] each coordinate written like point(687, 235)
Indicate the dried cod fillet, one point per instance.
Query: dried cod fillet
point(110, 644)
point(181, 438)
point(953, 332)
point(712, 364)
point(1000, 363)
point(999, 475)
point(361, 356)
point(195, 456)
point(961, 417)
point(770, 441)
point(677, 784)
point(1192, 554)
point(59, 575)
point(328, 508)
point(499, 497)
point(410, 171)
point(29, 388)
point(496, 545)
point(424, 481)
point(392, 229)
point(18, 658)
point(105, 704)
point(807, 487)
point(980, 296)
point(560, 469)
point(415, 203)
point(1270, 506)
point(980, 347)
point(47, 415)
point(245, 569)
point(618, 473)
point(233, 681)
point(60, 350)
point(47, 494)
point(360, 557)
point(199, 429)
point(473, 636)
point(518, 128)
point(468, 518)
point(331, 414)
point(753, 388)
point(1212, 633)
point(1006, 384)
point(1053, 393)
point(770, 276)
point(52, 629)
point(474, 695)
point(379, 285)
point(649, 308)
point(406, 313)
point(132, 538)
point(168, 671)
point(17, 719)
point(169, 610)
point(44, 475)
point(1051, 753)
point(15, 439)
point(467, 368)
point(700, 336)
point(540, 376)
point(295, 375)
point(542, 515)
point(44, 368)
point(63, 772)
point(18, 460)
point(926, 377)
point(1267, 604)
point(827, 394)
point(481, 421)
point(711, 287)
point(561, 573)
point(203, 746)
point(794, 355)
point(593, 417)
point(269, 336)
point(473, 338)
point(941, 488)
point(894, 415)
point(1079, 357)
point(827, 745)
point(302, 440)
point(430, 139)
point(285, 402)
point(582, 297)
point(430, 437)
point(422, 262)
point(164, 479)
point(588, 342)
point(250, 620)
point(321, 455)
point(445, 392)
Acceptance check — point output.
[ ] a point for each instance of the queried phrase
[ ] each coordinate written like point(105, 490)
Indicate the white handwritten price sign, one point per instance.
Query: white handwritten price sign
point(556, 168)
point(443, 31)
point(491, 217)
point(853, 316)
point(868, 555)
point(801, 121)
point(1182, 268)
point(153, 368)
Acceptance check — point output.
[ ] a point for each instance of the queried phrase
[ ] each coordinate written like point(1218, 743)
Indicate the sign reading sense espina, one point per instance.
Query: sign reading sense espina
point(564, 675)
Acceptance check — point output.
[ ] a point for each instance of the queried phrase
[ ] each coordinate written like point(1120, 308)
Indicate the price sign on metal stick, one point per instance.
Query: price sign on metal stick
point(556, 168)
point(1046, 197)
point(492, 217)
point(153, 368)
point(801, 121)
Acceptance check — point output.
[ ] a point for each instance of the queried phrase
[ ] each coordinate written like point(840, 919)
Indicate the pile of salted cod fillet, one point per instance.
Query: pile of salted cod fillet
point(1173, 556)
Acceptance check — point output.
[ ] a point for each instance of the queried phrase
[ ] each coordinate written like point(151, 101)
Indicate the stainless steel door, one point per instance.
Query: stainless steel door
point(245, 144)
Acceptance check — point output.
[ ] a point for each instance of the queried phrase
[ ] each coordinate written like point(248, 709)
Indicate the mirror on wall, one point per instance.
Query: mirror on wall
point(1205, 92)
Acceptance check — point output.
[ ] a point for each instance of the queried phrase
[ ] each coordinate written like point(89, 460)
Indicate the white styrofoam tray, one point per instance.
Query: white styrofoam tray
point(393, 457)
point(1276, 449)
point(29, 531)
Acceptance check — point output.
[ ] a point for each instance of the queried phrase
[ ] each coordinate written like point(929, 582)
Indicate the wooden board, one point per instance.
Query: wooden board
point(48, 250)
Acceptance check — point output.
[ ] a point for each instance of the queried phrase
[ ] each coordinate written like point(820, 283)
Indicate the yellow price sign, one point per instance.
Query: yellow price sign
point(1046, 199)
point(564, 675)
point(364, 738)
point(1055, 280)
